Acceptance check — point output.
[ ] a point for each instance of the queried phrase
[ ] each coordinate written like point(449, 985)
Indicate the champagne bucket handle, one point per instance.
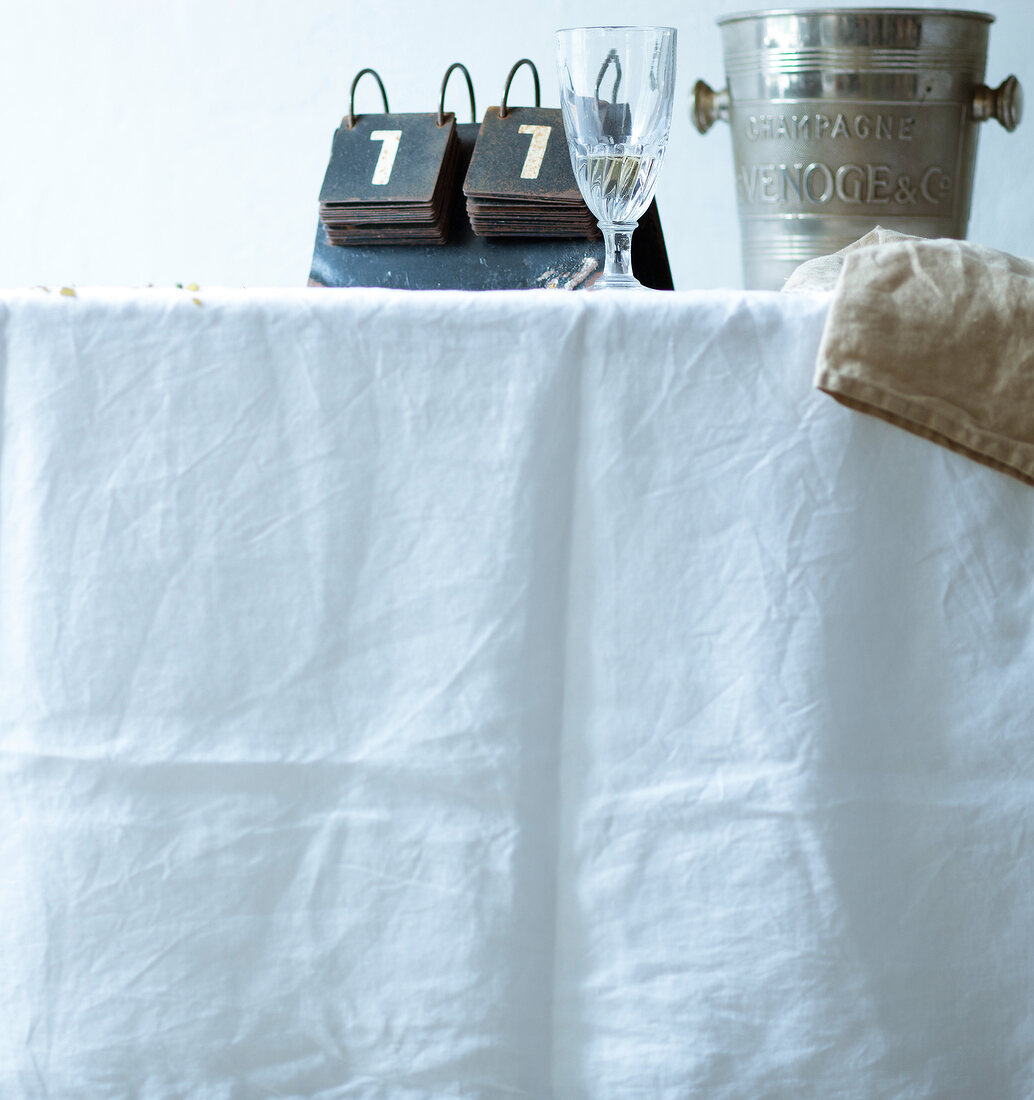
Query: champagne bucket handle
point(709, 106)
point(1004, 103)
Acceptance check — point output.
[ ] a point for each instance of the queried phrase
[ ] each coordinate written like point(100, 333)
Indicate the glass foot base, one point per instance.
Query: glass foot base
point(616, 282)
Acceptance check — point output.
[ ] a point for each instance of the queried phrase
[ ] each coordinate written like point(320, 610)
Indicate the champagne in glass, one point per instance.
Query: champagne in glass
point(616, 90)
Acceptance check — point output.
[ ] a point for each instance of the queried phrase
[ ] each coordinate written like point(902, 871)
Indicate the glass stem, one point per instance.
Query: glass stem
point(618, 239)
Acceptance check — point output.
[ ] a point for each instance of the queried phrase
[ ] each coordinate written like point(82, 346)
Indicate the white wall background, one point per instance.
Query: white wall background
point(186, 141)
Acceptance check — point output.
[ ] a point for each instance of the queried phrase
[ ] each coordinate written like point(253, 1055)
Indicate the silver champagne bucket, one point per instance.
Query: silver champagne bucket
point(843, 119)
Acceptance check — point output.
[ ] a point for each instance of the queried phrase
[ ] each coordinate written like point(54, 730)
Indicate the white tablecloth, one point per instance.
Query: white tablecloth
point(488, 696)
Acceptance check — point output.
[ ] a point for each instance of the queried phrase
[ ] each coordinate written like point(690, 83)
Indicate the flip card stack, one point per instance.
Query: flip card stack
point(390, 179)
point(520, 182)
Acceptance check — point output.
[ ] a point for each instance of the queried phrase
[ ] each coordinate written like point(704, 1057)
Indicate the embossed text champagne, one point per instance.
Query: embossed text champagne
point(616, 90)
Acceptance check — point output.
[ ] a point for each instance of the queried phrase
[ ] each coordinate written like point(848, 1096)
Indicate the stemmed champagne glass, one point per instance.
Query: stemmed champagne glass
point(616, 90)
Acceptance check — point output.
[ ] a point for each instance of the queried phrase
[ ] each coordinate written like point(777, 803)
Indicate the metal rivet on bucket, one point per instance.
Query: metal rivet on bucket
point(843, 119)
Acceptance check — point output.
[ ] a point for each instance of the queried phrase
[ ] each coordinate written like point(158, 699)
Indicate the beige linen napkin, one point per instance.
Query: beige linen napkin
point(935, 336)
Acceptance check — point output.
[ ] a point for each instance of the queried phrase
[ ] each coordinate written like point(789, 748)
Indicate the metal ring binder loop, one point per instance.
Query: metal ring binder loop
point(350, 121)
point(612, 59)
point(503, 111)
point(470, 88)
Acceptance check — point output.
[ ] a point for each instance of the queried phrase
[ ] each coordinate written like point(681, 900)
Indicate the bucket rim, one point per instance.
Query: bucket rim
point(764, 13)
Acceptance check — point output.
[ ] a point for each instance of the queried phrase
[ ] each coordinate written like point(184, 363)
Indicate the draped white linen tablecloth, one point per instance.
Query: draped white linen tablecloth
point(504, 695)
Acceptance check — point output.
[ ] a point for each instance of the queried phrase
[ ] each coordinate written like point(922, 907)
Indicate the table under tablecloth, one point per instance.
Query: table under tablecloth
point(442, 695)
